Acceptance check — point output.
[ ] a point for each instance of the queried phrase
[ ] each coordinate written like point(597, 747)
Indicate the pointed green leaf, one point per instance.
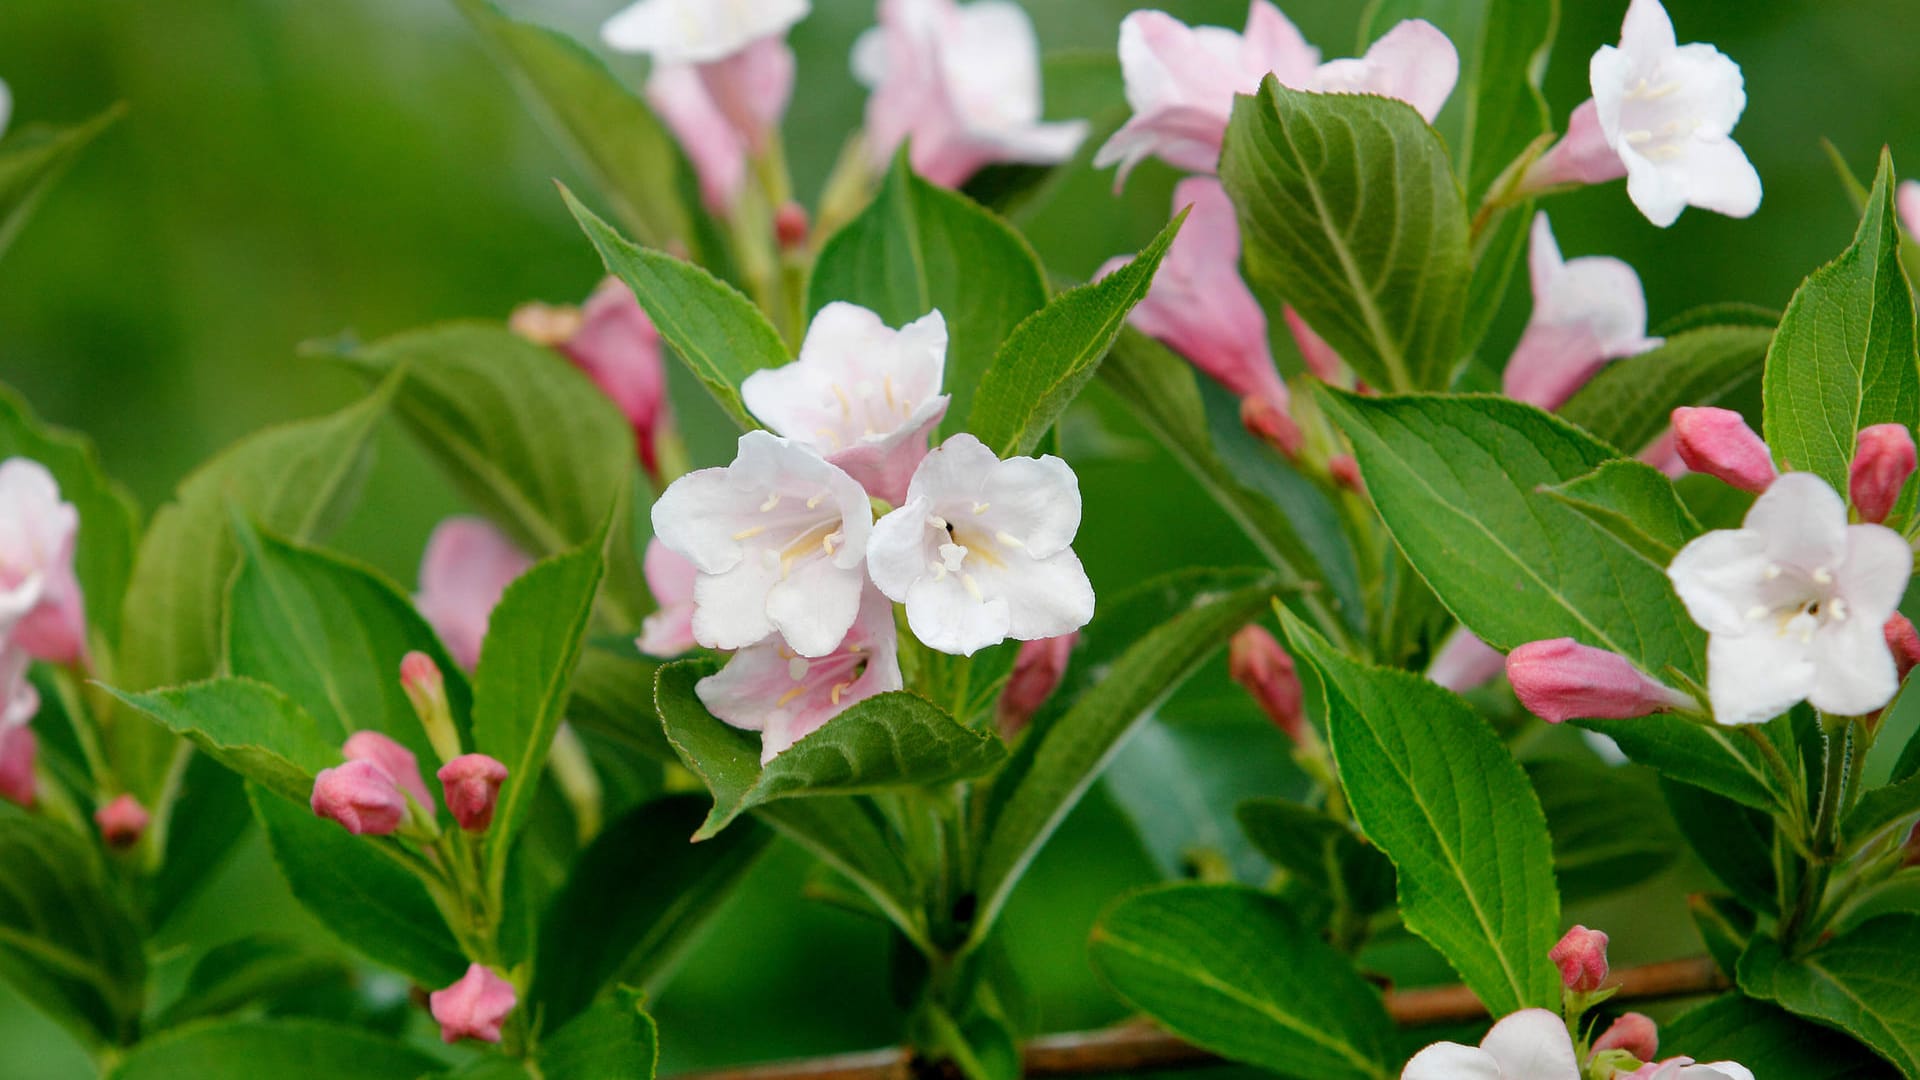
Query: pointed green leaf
point(249, 727)
point(1860, 982)
point(32, 159)
point(282, 1049)
point(1734, 841)
point(1636, 504)
point(1878, 809)
point(68, 942)
point(1319, 851)
point(1767, 1039)
point(1628, 405)
point(1610, 830)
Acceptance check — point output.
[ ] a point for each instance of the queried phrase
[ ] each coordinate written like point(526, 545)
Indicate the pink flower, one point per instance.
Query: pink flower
point(784, 696)
point(122, 822)
point(18, 747)
point(1582, 156)
point(1413, 62)
point(467, 567)
point(1718, 442)
point(393, 759)
point(39, 594)
point(1907, 200)
point(670, 577)
point(717, 151)
point(1881, 464)
point(19, 701)
point(1037, 670)
point(619, 349)
point(473, 1007)
point(361, 797)
point(471, 783)
point(1581, 956)
point(1683, 1068)
point(961, 85)
point(1561, 679)
point(1464, 662)
point(1263, 669)
point(1633, 1032)
point(1587, 312)
point(1319, 356)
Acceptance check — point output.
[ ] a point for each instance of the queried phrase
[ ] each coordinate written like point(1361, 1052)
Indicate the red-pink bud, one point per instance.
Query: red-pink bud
point(1581, 957)
point(473, 1007)
point(426, 690)
point(1904, 642)
point(18, 747)
point(1561, 679)
point(1263, 669)
point(361, 797)
point(1634, 1033)
point(1882, 462)
point(393, 759)
point(122, 822)
point(1345, 471)
point(1270, 422)
point(1037, 670)
point(790, 226)
point(1718, 442)
point(1321, 360)
point(471, 783)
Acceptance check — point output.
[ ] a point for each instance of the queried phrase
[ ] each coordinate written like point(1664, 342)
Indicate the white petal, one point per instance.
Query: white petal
point(1755, 677)
point(1272, 43)
point(1604, 295)
point(1804, 521)
point(814, 606)
point(1543, 259)
point(743, 692)
point(1721, 179)
point(1608, 76)
point(956, 470)
point(1714, 90)
point(869, 59)
point(1534, 1044)
point(1036, 500)
point(1647, 31)
point(698, 31)
point(945, 616)
point(1046, 597)
point(1853, 669)
point(1720, 578)
point(1659, 193)
point(730, 609)
point(1451, 1061)
point(898, 553)
point(697, 516)
point(1879, 564)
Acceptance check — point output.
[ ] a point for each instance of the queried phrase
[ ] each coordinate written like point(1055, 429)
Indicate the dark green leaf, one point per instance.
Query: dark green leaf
point(615, 1038)
point(1609, 829)
point(1629, 404)
point(33, 159)
point(249, 971)
point(1320, 851)
point(1878, 809)
point(1725, 926)
point(1635, 504)
point(282, 1049)
point(214, 797)
point(68, 942)
point(1860, 982)
point(1767, 1040)
point(613, 697)
point(1734, 841)
point(1702, 753)
point(1496, 254)
point(249, 727)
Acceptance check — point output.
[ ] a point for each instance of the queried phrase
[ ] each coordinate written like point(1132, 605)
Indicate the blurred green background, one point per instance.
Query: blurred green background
point(291, 170)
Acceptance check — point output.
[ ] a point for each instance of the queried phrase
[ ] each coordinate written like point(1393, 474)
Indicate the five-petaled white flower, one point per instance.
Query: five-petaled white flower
point(699, 31)
point(1586, 312)
point(780, 540)
point(1793, 602)
point(862, 395)
point(1668, 110)
point(1531, 1044)
point(979, 552)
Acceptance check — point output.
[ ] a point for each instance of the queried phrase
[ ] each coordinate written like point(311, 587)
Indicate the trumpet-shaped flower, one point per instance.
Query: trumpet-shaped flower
point(39, 594)
point(1531, 1044)
point(779, 538)
point(1668, 111)
point(961, 82)
point(466, 569)
point(769, 688)
point(619, 349)
point(1587, 312)
point(979, 552)
point(19, 701)
point(699, 31)
point(718, 152)
point(862, 395)
point(1793, 603)
point(670, 577)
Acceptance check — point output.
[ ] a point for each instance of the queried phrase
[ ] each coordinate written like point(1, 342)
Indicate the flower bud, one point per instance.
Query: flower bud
point(471, 783)
point(1903, 642)
point(1581, 156)
point(1561, 679)
point(790, 226)
point(426, 690)
point(1581, 957)
point(1321, 360)
point(473, 1007)
point(18, 747)
point(1718, 442)
point(1037, 670)
point(1881, 464)
point(1263, 669)
point(361, 797)
point(1268, 420)
point(1634, 1033)
point(393, 759)
point(122, 822)
point(1345, 471)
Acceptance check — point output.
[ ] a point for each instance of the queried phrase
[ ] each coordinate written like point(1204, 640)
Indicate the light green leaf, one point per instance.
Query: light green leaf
point(1636, 505)
point(1497, 252)
point(1629, 404)
point(1349, 210)
point(614, 1038)
point(1610, 830)
point(1320, 851)
point(1232, 970)
point(1725, 926)
point(1432, 785)
point(1844, 357)
point(282, 1049)
point(613, 697)
point(32, 159)
point(1860, 982)
point(246, 971)
point(1768, 1040)
point(249, 727)
point(1051, 355)
point(68, 942)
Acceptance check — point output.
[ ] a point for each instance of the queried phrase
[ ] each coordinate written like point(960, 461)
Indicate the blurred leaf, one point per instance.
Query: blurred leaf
point(282, 1049)
point(615, 1038)
point(1844, 357)
point(249, 727)
point(1350, 213)
point(1321, 852)
point(1628, 405)
point(248, 971)
point(1878, 809)
point(1496, 253)
point(1860, 982)
point(1698, 751)
point(1736, 1028)
point(68, 943)
point(918, 247)
point(1051, 355)
point(613, 697)
point(1434, 787)
point(214, 798)
point(637, 897)
point(1725, 315)
point(33, 159)
point(1609, 829)
point(1734, 841)
point(1230, 969)
point(1636, 505)
point(1725, 926)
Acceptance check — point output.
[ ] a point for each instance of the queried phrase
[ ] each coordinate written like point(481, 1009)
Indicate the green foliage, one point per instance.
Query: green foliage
point(284, 1049)
point(1321, 852)
point(1859, 982)
point(1734, 841)
point(1610, 832)
point(614, 1038)
point(246, 971)
point(32, 159)
point(68, 941)
point(1629, 403)
point(1636, 505)
point(251, 728)
point(1736, 1028)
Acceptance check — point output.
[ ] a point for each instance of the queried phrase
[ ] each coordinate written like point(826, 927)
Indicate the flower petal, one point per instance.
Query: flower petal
point(1874, 579)
point(1804, 521)
point(1534, 1044)
point(1754, 677)
point(1046, 597)
point(730, 609)
point(1647, 31)
point(813, 607)
point(1451, 1061)
point(1719, 578)
point(1853, 668)
point(898, 552)
point(1721, 179)
point(946, 617)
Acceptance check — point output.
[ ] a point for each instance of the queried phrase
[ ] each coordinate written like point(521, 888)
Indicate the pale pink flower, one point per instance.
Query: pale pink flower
point(733, 53)
point(467, 567)
point(1464, 662)
point(361, 796)
point(1531, 1044)
point(1587, 312)
point(471, 784)
point(1882, 462)
point(39, 594)
point(619, 349)
point(1719, 443)
point(717, 151)
point(1561, 679)
point(699, 31)
point(1581, 156)
point(1413, 62)
point(122, 822)
point(474, 1007)
point(1683, 1068)
point(670, 577)
point(393, 759)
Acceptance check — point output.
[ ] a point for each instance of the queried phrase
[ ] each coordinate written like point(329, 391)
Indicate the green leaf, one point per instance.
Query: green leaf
point(214, 798)
point(249, 727)
point(613, 697)
point(636, 898)
point(1878, 809)
point(614, 1038)
point(1635, 504)
point(1434, 787)
point(889, 741)
point(1771, 1041)
point(1350, 212)
point(918, 248)
point(1725, 926)
point(1844, 357)
point(715, 330)
point(1230, 969)
point(1320, 851)
point(1699, 752)
point(1497, 252)
point(1051, 355)
point(282, 1049)
point(248, 971)
point(1609, 829)
point(68, 942)
point(1630, 403)
point(1860, 982)
point(33, 159)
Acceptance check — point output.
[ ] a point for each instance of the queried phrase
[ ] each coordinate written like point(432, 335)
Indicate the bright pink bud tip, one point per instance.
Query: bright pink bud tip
point(1880, 469)
point(1037, 671)
point(790, 226)
point(122, 822)
point(420, 677)
point(473, 1007)
point(1904, 642)
point(471, 783)
point(1634, 1033)
point(1272, 424)
point(1718, 442)
point(1346, 472)
point(1561, 679)
point(1319, 356)
point(393, 759)
point(1263, 669)
point(361, 797)
point(18, 746)
point(1581, 957)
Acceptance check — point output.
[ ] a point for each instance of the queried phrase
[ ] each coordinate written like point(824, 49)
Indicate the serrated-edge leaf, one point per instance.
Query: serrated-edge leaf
point(293, 1049)
point(217, 715)
point(1636, 504)
point(1860, 982)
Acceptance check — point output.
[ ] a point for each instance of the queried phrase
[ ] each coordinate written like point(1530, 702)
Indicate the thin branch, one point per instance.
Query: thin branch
point(1138, 1047)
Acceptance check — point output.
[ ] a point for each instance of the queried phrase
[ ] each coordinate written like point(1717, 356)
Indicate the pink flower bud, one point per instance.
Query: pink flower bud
point(619, 349)
point(393, 759)
point(122, 822)
point(426, 691)
point(1718, 442)
point(1345, 471)
point(1904, 642)
point(1037, 670)
point(361, 797)
point(1581, 957)
point(1269, 421)
point(790, 226)
point(1634, 1033)
point(1263, 669)
point(18, 746)
point(1582, 155)
point(39, 594)
point(471, 783)
point(1881, 464)
point(473, 1007)
point(1561, 679)
point(1319, 356)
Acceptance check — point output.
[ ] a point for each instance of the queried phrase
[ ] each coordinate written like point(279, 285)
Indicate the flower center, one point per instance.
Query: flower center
point(866, 409)
point(793, 529)
point(833, 674)
point(1799, 602)
point(970, 543)
point(1655, 120)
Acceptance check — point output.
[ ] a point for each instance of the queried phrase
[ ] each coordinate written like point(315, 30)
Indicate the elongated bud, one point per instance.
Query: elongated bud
point(1561, 679)
point(122, 822)
point(1718, 442)
point(473, 1007)
point(471, 783)
point(1269, 421)
point(18, 748)
point(1881, 464)
point(1345, 471)
point(1263, 669)
point(1037, 671)
point(1632, 1032)
point(1582, 156)
point(1321, 360)
point(361, 797)
point(393, 759)
point(790, 226)
point(1581, 957)
point(426, 689)
point(1904, 642)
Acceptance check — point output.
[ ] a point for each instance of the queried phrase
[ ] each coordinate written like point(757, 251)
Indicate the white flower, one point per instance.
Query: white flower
point(1793, 603)
point(979, 551)
point(1683, 1068)
point(1531, 1044)
point(699, 31)
point(41, 608)
point(862, 395)
point(1586, 312)
point(1668, 110)
point(780, 540)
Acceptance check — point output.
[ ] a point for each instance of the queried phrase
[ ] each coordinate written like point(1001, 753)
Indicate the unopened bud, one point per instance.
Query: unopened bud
point(471, 783)
point(1345, 471)
point(1037, 671)
point(1633, 1033)
point(1882, 462)
point(1561, 679)
point(1719, 443)
point(473, 1007)
point(1270, 423)
point(1904, 642)
point(1321, 360)
point(426, 689)
point(122, 822)
point(393, 759)
point(1263, 669)
point(361, 797)
point(790, 226)
point(18, 748)
point(1581, 957)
